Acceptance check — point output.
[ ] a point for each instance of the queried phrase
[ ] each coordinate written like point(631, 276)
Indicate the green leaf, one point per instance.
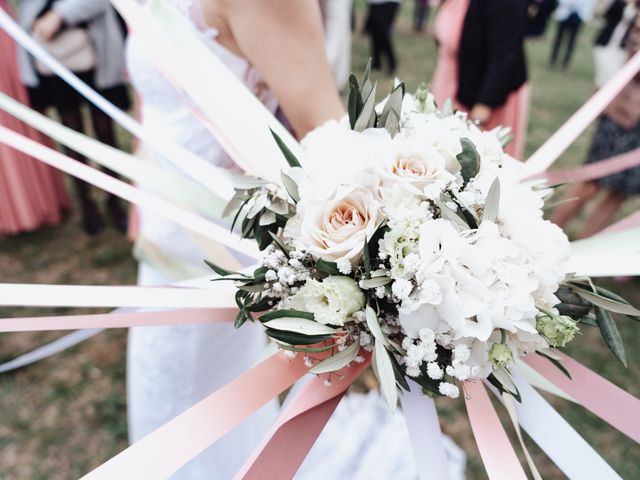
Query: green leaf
point(492, 205)
point(366, 260)
point(386, 376)
point(223, 271)
point(293, 338)
point(374, 326)
point(253, 288)
point(285, 346)
point(392, 110)
point(355, 104)
point(368, 112)
point(469, 160)
point(397, 370)
point(327, 267)
point(267, 218)
point(288, 154)
point(505, 382)
point(279, 243)
point(617, 298)
point(606, 303)
point(555, 361)
point(300, 325)
point(235, 203)
point(339, 360)
point(452, 216)
point(610, 334)
point(241, 318)
point(237, 216)
point(286, 314)
point(370, 283)
point(291, 186)
point(392, 124)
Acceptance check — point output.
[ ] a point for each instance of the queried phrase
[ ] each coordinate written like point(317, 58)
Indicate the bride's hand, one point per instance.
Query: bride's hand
point(284, 40)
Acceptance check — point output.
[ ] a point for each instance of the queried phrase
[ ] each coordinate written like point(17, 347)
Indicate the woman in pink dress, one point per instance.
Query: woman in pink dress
point(481, 63)
point(31, 193)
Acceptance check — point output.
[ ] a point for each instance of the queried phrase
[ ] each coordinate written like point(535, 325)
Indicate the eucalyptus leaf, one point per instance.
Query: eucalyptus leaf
point(370, 283)
point(366, 260)
point(368, 110)
point(288, 155)
point(241, 318)
point(393, 106)
point(469, 160)
point(339, 360)
point(374, 326)
point(555, 360)
point(291, 348)
point(355, 104)
point(606, 303)
point(492, 204)
point(223, 271)
point(617, 298)
point(233, 204)
point(610, 334)
point(267, 317)
point(253, 288)
point(392, 124)
point(327, 267)
point(503, 376)
point(267, 218)
point(279, 243)
point(293, 338)
point(386, 376)
point(379, 273)
point(397, 370)
point(300, 325)
point(259, 202)
point(448, 214)
point(281, 207)
point(291, 186)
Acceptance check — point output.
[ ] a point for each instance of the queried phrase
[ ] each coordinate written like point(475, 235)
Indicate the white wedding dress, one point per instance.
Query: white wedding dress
point(172, 368)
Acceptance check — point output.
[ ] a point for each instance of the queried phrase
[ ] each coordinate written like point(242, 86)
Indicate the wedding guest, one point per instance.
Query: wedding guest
point(420, 15)
point(32, 194)
point(379, 26)
point(481, 63)
point(336, 17)
point(539, 13)
point(618, 132)
point(570, 14)
point(97, 58)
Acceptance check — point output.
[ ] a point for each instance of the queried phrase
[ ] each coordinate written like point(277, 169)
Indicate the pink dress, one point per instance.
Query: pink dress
point(32, 194)
point(448, 30)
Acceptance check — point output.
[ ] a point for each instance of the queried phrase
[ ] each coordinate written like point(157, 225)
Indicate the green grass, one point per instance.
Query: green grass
point(66, 415)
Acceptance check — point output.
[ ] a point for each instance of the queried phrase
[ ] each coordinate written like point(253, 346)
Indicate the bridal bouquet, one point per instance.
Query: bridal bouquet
point(407, 232)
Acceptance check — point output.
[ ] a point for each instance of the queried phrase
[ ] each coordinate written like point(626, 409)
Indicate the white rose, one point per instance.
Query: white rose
point(332, 301)
point(336, 229)
point(413, 163)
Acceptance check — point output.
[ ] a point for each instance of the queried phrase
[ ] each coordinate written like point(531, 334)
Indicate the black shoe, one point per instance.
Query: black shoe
point(119, 217)
point(92, 221)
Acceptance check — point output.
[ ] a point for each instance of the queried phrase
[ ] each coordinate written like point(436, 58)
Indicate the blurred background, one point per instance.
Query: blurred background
point(67, 414)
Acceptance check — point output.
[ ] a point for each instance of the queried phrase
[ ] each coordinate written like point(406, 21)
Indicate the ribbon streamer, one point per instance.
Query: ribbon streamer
point(555, 146)
point(285, 447)
point(606, 400)
point(593, 171)
point(568, 450)
point(427, 442)
point(119, 320)
point(143, 199)
point(498, 456)
point(164, 451)
point(211, 177)
point(627, 223)
point(220, 295)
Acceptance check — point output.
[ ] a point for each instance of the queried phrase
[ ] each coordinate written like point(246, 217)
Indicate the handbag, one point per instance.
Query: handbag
point(73, 47)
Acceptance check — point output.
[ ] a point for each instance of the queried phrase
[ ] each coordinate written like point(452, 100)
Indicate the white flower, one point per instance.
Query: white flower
point(344, 266)
point(434, 371)
point(331, 301)
point(402, 288)
point(449, 390)
point(336, 230)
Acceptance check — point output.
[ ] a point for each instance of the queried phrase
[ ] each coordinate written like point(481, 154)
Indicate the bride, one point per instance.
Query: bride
point(279, 44)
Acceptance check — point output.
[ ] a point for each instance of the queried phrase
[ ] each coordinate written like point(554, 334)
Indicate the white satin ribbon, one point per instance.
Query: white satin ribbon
point(217, 295)
point(109, 184)
point(426, 437)
point(210, 176)
point(568, 450)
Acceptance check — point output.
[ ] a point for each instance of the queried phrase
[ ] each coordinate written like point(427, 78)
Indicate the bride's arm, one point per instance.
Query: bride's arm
point(284, 40)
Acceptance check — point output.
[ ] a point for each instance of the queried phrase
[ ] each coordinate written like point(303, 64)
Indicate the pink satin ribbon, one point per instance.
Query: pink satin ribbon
point(118, 320)
point(555, 146)
point(286, 446)
point(632, 221)
point(163, 452)
point(593, 171)
point(606, 400)
point(498, 456)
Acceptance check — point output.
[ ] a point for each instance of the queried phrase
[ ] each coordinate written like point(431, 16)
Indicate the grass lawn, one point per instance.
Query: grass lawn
point(65, 415)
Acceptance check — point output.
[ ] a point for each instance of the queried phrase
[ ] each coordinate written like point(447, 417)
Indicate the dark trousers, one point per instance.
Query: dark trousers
point(569, 28)
point(379, 26)
point(420, 15)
